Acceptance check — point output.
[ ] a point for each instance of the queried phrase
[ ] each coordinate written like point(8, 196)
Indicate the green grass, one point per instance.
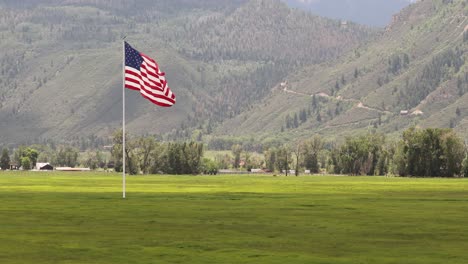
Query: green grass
point(81, 218)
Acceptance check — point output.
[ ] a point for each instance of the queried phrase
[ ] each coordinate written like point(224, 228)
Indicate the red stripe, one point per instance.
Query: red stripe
point(167, 91)
point(128, 72)
point(158, 96)
point(145, 88)
point(150, 73)
point(156, 70)
point(156, 102)
point(132, 80)
point(150, 59)
point(145, 83)
point(158, 85)
point(132, 88)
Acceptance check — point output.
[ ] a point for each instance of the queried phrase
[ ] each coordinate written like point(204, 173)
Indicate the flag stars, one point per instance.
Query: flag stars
point(132, 57)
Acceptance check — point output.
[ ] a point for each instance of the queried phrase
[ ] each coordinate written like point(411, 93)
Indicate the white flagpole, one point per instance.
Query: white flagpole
point(123, 118)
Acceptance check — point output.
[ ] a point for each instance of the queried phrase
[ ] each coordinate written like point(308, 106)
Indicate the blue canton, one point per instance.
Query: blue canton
point(132, 57)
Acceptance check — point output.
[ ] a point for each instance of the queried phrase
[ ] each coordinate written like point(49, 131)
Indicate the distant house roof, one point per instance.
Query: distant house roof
point(44, 166)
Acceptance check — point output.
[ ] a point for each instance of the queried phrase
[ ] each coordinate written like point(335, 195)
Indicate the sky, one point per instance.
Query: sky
point(377, 13)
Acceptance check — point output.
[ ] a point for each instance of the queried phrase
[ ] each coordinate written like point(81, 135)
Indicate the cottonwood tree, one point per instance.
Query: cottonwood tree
point(310, 152)
point(283, 159)
point(429, 153)
point(26, 152)
point(131, 162)
point(67, 156)
point(146, 146)
point(236, 152)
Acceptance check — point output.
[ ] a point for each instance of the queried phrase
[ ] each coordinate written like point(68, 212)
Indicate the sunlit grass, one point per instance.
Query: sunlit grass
point(81, 218)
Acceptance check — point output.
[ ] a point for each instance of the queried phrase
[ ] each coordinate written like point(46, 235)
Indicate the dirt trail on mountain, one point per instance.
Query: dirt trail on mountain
point(359, 104)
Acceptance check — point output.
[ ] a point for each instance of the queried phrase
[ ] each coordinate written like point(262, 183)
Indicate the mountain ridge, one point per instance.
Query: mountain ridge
point(421, 56)
point(60, 78)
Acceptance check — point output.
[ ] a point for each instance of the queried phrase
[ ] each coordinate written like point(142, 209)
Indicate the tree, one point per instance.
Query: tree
point(236, 152)
point(67, 156)
point(303, 116)
point(359, 155)
point(310, 152)
point(131, 162)
point(298, 155)
point(145, 148)
point(193, 153)
point(296, 122)
point(314, 100)
point(90, 161)
point(5, 160)
point(179, 158)
point(22, 152)
point(453, 150)
point(429, 153)
point(319, 117)
point(209, 167)
point(26, 163)
point(465, 167)
point(270, 159)
point(283, 159)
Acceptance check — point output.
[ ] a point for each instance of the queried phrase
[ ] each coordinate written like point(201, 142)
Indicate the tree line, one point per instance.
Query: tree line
point(419, 152)
point(26, 157)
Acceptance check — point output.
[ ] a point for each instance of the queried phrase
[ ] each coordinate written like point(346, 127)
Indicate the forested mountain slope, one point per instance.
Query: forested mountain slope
point(60, 66)
point(415, 74)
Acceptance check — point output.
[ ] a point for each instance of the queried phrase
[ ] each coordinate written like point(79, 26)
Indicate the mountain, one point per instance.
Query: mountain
point(60, 66)
point(414, 74)
point(368, 12)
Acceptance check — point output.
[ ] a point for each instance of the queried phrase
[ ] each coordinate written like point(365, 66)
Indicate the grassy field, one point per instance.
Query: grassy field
point(80, 218)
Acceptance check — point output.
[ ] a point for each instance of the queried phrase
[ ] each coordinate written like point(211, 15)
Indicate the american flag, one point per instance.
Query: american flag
point(142, 74)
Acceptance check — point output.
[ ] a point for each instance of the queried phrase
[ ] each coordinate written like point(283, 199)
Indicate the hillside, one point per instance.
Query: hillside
point(60, 75)
point(415, 74)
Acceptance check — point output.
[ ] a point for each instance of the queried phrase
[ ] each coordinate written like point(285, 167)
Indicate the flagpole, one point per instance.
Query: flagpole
point(123, 118)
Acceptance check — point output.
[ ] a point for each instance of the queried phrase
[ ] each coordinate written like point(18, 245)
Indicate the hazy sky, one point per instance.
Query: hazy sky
point(370, 12)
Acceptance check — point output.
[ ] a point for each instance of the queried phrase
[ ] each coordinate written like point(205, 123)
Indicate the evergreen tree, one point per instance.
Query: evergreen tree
point(296, 122)
point(314, 102)
point(5, 160)
point(303, 116)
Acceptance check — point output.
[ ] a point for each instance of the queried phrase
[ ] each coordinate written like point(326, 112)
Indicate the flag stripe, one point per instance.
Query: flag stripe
point(142, 74)
point(137, 85)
